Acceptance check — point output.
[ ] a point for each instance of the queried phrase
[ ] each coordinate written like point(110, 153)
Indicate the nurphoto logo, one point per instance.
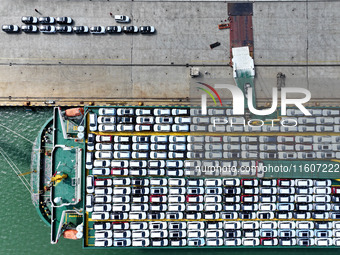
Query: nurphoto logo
point(238, 99)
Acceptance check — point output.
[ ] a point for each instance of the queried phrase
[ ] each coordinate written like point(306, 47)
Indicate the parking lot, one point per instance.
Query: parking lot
point(114, 68)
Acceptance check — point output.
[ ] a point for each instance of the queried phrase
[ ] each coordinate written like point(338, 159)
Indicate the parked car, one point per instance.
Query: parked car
point(64, 29)
point(10, 28)
point(29, 20)
point(64, 20)
point(81, 29)
point(103, 242)
point(147, 29)
point(130, 29)
point(46, 20)
point(122, 18)
point(106, 128)
point(113, 29)
point(101, 171)
point(29, 28)
point(97, 30)
point(47, 29)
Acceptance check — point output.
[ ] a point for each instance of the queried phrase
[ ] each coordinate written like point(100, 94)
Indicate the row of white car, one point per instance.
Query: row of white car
point(268, 140)
point(225, 225)
point(248, 242)
point(210, 205)
point(266, 184)
point(214, 147)
point(210, 111)
point(216, 233)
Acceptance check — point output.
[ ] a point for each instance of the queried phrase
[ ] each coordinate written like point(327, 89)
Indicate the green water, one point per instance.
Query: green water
point(22, 231)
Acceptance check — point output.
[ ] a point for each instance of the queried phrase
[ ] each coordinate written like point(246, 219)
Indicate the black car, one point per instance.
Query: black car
point(130, 29)
point(64, 29)
point(29, 29)
point(10, 28)
point(46, 20)
point(64, 20)
point(147, 30)
point(29, 20)
point(125, 120)
point(80, 29)
point(113, 29)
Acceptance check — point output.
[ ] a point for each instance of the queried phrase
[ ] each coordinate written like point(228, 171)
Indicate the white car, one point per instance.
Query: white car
point(145, 120)
point(107, 128)
point(102, 207)
point(140, 146)
point(98, 30)
point(103, 242)
point(120, 199)
point(101, 163)
point(47, 29)
point(121, 147)
point(162, 112)
point(141, 128)
point(122, 18)
point(125, 127)
point(162, 127)
point(103, 154)
point(122, 242)
point(159, 139)
point(119, 163)
point(122, 154)
point(158, 155)
point(106, 120)
point(90, 184)
point(101, 171)
point(143, 112)
point(232, 242)
point(121, 181)
point(180, 128)
point(89, 203)
point(164, 120)
point(102, 225)
point(119, 171)
point(103, 191)
point(180, 111)
point(46, 20)
point(177, 146)
point(183, 120)
point(103, 199)
point(103, 138)
point(104, 147)
point(125, 111)
point(100, 216)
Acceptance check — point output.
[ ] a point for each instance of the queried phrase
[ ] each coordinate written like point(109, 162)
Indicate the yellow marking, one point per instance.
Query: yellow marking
point(30, 172)
point(336, 160)
point(66, 218)
point(74, 216)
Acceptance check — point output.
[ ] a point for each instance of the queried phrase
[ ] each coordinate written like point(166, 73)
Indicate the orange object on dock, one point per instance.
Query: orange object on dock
point(73, 112)
point(70, 234)
point(223, 26)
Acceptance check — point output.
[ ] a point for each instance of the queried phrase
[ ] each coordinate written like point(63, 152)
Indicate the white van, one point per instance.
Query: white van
point(93, 122)
point(89, 160)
